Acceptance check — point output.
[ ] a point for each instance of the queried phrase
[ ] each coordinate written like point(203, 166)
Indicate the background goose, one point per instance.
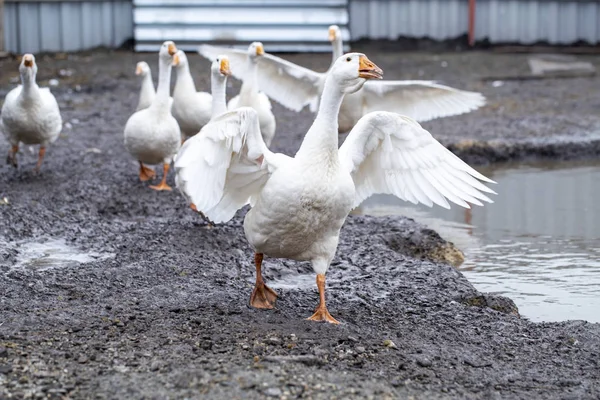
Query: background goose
point(250, 96)
point(299, 204)
point(191, 109)
point(30, 114)
point(152, 135)
point(295, 87)
point(147, 92)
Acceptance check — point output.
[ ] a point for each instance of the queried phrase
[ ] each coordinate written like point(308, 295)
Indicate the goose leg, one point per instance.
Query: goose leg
point(146, 173)
point(41, 155)
point(163, 184)
point(321, 313)
point(262, 295)
point(11, 159)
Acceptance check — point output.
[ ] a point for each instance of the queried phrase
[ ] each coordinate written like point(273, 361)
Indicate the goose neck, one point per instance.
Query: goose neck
point(184, 82)
point(322, 137)
point(30, 87)
point(164, 80)
point(147, 90)
point(218, 89)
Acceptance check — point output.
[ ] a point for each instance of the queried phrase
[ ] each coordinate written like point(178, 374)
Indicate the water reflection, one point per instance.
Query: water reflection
point(539, 243)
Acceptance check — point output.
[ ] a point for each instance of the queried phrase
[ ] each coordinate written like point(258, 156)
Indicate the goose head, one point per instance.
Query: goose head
point(335, 34)
point(351, 71)
point(167, 51)
point(180, 59)
point(28, 67)
point(255, 50)
point(142, 69)
point(220, 67)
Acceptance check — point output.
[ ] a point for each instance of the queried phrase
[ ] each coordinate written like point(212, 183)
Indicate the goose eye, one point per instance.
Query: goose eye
point(348, 59)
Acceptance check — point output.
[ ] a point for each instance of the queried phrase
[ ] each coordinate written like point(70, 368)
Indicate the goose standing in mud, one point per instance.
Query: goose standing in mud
point(300, 203)
point(295, 87)
point(30, 114)
point(152, 135)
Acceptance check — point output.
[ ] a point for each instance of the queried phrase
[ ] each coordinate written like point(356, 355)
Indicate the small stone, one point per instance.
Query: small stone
point(424, 362)
point(5, 369)
point(352, 339)
point(360, 349)
point(3, 352)
point(273, 392)
point(273, 340)
point(390, 344)
point(155, 366)
point(53, 82)
point(82, 359)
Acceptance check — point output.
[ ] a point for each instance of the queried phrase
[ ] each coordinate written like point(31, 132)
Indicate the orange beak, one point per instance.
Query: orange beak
point(172, 49)
point(368, 70)
point(224, 68)
point(138, 70)
point(260, 50)
point(332, 35)
point(28, 61)
point(175, 60)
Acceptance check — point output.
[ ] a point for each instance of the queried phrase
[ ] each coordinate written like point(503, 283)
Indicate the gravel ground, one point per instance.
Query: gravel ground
point(160, 309)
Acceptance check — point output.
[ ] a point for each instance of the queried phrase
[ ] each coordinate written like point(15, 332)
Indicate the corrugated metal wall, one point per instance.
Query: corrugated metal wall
point(499, 21)
point(36, 26)
point(282, 25)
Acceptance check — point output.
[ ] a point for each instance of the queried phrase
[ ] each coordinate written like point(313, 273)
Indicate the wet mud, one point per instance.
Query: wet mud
point(134, 296)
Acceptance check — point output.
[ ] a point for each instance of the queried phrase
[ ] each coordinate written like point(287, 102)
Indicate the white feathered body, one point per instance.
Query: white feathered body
point(251, 97)
point(31, 118)
point(301, 209)
point(152, 135)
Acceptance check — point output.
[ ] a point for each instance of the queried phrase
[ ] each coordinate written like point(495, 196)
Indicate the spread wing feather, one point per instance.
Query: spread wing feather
point(419, 100)
point(392, 154)
point(225, 166)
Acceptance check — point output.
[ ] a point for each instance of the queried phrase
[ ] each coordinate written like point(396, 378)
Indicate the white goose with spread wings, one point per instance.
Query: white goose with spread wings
point(295, 87)
point(300, 203)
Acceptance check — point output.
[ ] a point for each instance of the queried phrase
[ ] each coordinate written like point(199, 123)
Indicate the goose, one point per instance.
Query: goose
point(152, 135)
point(295, 87)
point(218, 86)
point(299, 204)
point(191, 109)
point(147, 93)
point(30, 114)
point(251, 97)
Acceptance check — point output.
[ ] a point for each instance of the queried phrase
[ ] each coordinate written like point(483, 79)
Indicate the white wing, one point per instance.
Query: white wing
point(419, 100)
point(287, 83)
point(238, 59)
point(392, 154)
point(225, 166)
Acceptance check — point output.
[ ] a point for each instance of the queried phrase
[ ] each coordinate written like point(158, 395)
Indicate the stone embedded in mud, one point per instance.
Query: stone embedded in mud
point(499, 303)
point(425, 244)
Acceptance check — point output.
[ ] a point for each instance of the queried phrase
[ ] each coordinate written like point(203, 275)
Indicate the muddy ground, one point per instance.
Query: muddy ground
point(161, 309)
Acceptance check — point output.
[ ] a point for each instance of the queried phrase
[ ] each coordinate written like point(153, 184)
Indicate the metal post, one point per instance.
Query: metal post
point(1, 27)
point(471, 22)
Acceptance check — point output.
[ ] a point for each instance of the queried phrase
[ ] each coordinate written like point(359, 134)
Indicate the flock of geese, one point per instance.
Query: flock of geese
point(221, 150)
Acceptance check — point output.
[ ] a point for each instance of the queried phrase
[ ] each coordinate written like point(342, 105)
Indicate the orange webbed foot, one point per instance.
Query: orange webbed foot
point(161, 186)
point(146, 173)
point(321, 314)
point(263, 297)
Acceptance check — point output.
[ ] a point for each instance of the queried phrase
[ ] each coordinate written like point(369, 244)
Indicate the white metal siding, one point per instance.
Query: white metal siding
point(282, 25)
point(499, 21)
point(38, 26)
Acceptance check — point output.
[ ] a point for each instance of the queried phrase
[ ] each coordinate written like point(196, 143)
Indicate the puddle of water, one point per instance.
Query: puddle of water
point(538, 244)
point(49, 254)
